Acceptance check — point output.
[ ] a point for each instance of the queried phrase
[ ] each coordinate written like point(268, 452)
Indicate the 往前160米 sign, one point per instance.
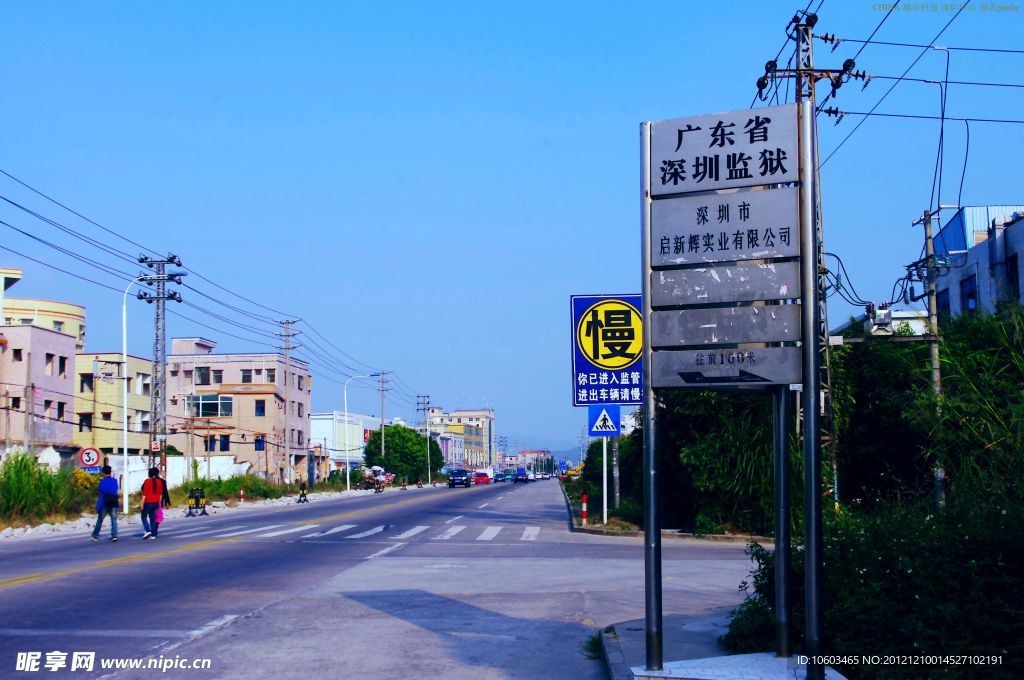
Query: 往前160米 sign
point(607, 349)
point(724, 150)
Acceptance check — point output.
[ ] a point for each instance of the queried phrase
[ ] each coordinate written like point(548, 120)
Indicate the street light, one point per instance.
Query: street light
point(348, 485)
point(124, 387)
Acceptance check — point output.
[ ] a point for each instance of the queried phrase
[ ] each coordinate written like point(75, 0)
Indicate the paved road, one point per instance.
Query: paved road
point(486, 582)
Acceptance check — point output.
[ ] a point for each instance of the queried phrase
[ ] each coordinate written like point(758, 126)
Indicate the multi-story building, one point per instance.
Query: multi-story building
point(37, 364)
point(476, 426)
point(989, 272)
point(99, 402)
point(252, 406)
point(333, 433)
point(63, 317)
point(37, 386)
point(452, 445)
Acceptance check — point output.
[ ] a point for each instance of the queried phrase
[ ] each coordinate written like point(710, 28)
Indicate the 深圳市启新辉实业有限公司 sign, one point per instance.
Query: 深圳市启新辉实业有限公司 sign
point(607, 349)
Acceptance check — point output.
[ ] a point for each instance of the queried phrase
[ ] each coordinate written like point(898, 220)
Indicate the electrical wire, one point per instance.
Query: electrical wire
point(975, 83)
point(967, 151)
point(930, 45)
point(1011, 121)
point(779, 53)
point(893, 86)
point(865, 44)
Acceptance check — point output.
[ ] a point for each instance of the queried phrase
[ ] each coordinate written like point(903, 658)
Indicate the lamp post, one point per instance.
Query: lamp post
point(124, 389)
point(348, 486)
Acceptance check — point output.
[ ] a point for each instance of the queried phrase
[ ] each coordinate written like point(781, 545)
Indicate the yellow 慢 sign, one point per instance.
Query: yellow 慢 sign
point(610, 334)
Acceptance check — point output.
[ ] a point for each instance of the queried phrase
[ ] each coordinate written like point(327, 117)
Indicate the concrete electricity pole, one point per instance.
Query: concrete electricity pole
point(423, 404)
point(383, 390)
point(286, 335)
point(157, 400)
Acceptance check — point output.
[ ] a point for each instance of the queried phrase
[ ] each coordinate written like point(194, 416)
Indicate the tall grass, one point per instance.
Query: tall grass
point(30, 491)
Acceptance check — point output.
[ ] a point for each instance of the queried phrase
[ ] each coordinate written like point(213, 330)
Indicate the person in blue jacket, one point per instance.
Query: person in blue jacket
point(106, 503)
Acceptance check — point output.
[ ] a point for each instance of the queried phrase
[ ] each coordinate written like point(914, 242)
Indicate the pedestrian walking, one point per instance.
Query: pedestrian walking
point(153, 491)
point(106, 504)
point(165, 502)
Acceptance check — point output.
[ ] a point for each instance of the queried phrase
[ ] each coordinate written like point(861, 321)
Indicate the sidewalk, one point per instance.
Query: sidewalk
point(692, 652)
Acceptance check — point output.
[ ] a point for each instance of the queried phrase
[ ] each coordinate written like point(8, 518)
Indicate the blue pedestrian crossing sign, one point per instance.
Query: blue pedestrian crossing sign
point(603, 420)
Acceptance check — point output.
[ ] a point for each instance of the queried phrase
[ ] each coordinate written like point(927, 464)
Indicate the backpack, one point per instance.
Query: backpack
point(109, 500)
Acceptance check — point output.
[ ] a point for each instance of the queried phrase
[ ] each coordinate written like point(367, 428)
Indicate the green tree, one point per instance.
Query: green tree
point(405, 453)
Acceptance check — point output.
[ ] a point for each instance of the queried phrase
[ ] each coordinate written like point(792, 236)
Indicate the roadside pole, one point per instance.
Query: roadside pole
point(604, 479)
point(782, 536)
point(615, 469)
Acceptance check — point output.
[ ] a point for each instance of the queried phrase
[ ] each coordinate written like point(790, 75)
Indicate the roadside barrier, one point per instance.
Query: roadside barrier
point(302, 494)
point(241, 494)
point(583, 513)
point(196, 503)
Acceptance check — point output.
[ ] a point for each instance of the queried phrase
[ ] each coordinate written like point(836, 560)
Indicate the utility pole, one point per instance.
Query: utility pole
point(615, 468)
point(929, 279)
point(7, 420)
point(423, 404)
point(383, 390)
point(286, 335)
point(157, 400)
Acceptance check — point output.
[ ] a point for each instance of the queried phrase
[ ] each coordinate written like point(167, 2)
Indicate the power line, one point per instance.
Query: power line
point(788, 38)
point(887, 14)
point(835, 39)
point(1012, 121)
point(976, 83)
point(893, 86)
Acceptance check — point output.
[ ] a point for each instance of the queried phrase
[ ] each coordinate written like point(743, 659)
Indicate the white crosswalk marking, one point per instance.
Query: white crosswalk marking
point(449, 521)
point(488, 534)
point(530, 534)
point(200, 532)
point(412, 532)
point(483, 506)
point(247, 531)
point(335, 530)
point(371, 532)
point(449, 532)
point(282, 532)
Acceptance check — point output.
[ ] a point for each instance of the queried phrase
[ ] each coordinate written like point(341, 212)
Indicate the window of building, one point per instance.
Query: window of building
point(300, 405)
point(202, 375)
point(271, 375)
point(1013, 276)
point(85, 422)
point(291, 436)
point(58, 326)
point(188, 375)
point(942, 303)
point(246, 376)
point(49, 363)
point(969, 294)
point(16, 403)
point(261, 407)
point(129, 382)
point(85, 383)
point(26, 322)
point(15, 355)
point(218, 376)
point(301, 382)
point(209, 405)
point(47, 407)
point(106, 415)
point(260, 442)
point(144, 384)
point(302, 437)
point(210, 443)
point(62, 367)
point(225, 442)
point(60, 410)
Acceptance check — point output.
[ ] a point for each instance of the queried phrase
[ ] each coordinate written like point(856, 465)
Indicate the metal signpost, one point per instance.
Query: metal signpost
point(723, 276)
point(604, 422)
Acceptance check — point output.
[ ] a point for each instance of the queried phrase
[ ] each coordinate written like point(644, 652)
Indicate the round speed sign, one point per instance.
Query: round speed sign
point(89, 457)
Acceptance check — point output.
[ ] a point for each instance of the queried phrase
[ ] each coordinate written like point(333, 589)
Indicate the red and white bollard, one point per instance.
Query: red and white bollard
point(241, 495)
point(583, 514)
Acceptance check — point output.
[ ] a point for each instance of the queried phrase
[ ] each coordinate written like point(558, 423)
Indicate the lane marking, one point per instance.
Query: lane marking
point(371, 532)
point(249, 531)
point(483, 506)
point(449, 521)
point(335, 530)
point(214, 625)
point(385, 551)
point(202, 532)
point(530, 534)
point(282, 532)
point(139, 557)
point(412, 532)
point(449, 532)
point(488, 534)
point(93, 632)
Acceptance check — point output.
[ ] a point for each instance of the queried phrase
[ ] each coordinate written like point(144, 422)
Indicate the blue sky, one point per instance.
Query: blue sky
point(428, 183)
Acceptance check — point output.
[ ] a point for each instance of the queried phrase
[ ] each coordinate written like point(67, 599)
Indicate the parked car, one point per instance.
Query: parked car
point(482, 478)
point(531, 476)
point(458, 477)
point(520, 475)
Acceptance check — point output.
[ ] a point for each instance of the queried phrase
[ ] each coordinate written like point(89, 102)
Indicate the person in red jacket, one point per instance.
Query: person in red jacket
point(153, 491)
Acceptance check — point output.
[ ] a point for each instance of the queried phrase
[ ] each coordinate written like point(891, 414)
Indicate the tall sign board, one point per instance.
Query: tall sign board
point(722, 274)
point(607, 349)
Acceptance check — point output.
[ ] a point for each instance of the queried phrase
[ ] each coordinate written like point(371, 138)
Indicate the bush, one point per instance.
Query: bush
point(29, 491)
point(904, 581)
point(230, 488)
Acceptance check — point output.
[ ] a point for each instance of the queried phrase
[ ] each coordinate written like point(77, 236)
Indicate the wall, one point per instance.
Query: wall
point(35, 343)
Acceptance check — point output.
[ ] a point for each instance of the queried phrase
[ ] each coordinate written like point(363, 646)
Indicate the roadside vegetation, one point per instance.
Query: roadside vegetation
point(32, 494)
point(904, 573)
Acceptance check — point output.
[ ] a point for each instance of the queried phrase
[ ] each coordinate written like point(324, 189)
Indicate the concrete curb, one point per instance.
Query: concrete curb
point(614, 660)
